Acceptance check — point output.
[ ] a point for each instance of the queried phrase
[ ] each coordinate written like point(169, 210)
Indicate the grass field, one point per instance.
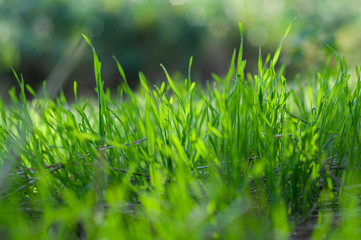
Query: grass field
point(241, 157)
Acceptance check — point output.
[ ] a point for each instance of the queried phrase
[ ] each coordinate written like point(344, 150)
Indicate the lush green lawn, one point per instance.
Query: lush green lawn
point(245, 157)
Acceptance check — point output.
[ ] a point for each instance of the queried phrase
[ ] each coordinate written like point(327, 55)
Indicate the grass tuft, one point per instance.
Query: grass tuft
point(248, 156)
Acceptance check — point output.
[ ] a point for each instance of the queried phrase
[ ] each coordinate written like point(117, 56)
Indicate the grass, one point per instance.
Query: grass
point(246, 157)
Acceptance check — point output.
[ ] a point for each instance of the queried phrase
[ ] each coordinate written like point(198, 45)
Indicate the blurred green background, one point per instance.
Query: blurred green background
point(42, 38)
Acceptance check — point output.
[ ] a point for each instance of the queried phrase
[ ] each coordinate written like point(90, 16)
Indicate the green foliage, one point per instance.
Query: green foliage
point(248, 157)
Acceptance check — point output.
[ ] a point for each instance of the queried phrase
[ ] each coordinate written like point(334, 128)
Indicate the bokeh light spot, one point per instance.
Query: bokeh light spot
point(257, 35)
point(177, 2)
point(219, 27)
point(43, 26)
point(196, 17)
point(4, 33)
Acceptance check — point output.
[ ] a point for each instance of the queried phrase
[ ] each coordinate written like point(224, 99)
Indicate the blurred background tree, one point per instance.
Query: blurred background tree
point(42, 38)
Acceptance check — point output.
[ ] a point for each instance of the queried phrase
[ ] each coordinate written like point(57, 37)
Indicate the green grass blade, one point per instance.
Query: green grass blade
point(99, 84)
point(278, 51)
